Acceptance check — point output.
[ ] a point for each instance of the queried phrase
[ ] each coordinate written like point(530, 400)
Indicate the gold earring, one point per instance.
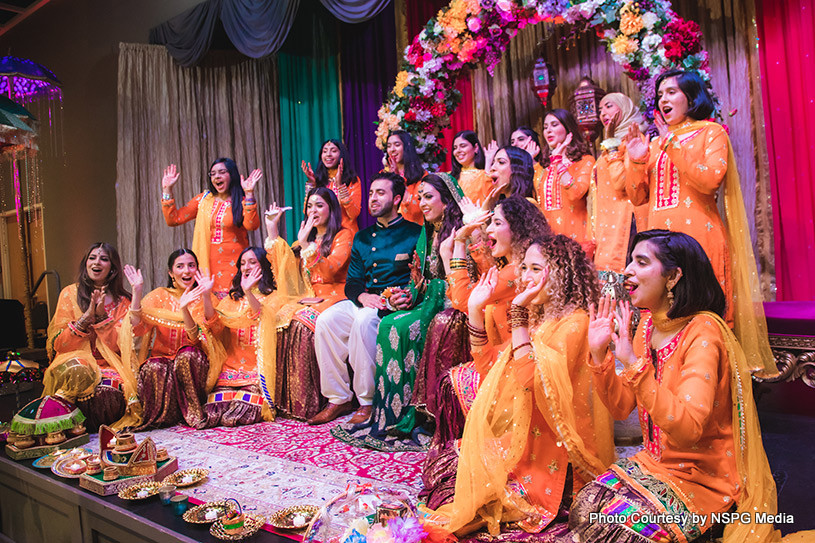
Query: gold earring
point(670, 298)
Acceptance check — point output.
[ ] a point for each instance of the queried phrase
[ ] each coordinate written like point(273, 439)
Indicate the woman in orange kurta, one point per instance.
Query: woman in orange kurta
point(515, 221)
point(679, 176)
point(535, 433)
point(467, 166)
point(336, 173)
point(612, 212)
point(325, 251)
point(688, 377)
point(177, 325)
point(566, 177)
point(401, 157)
point(83, 343)
point(223, 216)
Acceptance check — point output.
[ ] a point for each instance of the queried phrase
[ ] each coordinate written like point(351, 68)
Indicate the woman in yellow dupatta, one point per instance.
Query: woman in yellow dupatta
point(223, 216)
point(536, 431)
point(679, 176)
point(176, 325)
point(688, 376)
point(264, 282)
point(86, 366)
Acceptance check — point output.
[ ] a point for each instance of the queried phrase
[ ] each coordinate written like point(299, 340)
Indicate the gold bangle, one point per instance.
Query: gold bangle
point(518, 316)
point(521, 346)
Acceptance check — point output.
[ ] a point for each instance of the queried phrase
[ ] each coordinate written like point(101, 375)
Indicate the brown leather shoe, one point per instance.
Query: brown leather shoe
point(331, 412)
point(362, 415)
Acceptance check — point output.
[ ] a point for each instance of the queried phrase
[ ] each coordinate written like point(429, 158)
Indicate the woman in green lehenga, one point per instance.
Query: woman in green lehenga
point(393, 425)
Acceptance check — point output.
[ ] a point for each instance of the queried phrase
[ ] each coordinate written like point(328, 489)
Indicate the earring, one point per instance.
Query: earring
point(670, 298)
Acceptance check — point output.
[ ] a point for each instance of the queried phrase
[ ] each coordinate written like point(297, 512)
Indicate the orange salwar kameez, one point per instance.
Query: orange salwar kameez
point(565, 207)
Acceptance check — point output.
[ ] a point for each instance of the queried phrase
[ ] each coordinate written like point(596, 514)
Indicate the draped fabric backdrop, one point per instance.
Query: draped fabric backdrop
point(787, 31)
point(416, 17)
point(506, 101)
point(188, 117)
point(310, 110)
point(368, 72)
point(256, 28)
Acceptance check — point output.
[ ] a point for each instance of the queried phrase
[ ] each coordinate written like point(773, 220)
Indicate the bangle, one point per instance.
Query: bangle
point(478, 336)
point(518, 316)
point(458, 263)
point(135, 311)
point(637, 161)
point(192, 331)
point(521, 346)
point(248, 201)
point(166, 197)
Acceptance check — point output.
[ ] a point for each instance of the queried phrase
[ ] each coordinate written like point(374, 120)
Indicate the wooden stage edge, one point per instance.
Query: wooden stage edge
point(37, 506)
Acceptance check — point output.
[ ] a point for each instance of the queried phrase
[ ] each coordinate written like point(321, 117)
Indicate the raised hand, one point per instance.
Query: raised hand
point(489, 154)
point(483, 290)
point(134, 277)
point(623, 346)
point(525, 298)
point(533, 148)
point(560, 148)
point(492, 198)
point(190, 295)
point(169, 179)
point(309, 173)
point(305, 229)
point(611, 127)
point(393, 165)
point(205, 282)
point(98, 304)
point(249, 281)
point(468, 228)
point(272, 220)
point(662, 126)
point(601, 328)
point(249, 183)
point(635, 144)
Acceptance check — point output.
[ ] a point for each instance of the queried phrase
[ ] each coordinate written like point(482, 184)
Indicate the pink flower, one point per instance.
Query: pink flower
point(474, 24)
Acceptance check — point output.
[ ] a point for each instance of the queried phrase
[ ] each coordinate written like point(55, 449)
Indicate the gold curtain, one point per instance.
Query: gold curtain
point(506, 100)
point(226, 107)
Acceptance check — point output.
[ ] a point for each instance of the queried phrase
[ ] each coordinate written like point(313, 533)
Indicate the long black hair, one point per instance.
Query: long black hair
point(410, 158)
point(114, 282)
point(334, 224)
point(522, 176)
point(578, 147)
point(700, 102)
point(452, 212)
point(266, 284)
point(698, 289)
point(349, 176)
point(236, 193)
point(480, 156)
point(171, 262)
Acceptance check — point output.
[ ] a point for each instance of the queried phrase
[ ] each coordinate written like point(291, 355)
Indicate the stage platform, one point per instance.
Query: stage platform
point(270, 466)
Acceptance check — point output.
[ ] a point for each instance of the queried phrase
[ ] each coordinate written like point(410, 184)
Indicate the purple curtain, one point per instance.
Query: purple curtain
point(355, 11)
point(368, 69)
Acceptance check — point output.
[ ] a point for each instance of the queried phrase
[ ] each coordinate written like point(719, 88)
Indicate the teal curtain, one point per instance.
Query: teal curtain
point(310, 110)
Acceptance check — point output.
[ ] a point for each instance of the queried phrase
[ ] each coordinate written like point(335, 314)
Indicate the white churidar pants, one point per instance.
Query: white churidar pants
point(346, 331)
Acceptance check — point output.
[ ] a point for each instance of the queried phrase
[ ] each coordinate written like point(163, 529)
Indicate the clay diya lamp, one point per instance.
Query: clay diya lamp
point(162, 454)
point(110, 473)
point(94, 465)
point(24, 441)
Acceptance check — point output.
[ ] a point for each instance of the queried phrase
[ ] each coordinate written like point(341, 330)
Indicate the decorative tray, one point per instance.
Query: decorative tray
point(198, 514)
point(253, 523)
point(136, 492)
point(285, 518)
point(186, 477)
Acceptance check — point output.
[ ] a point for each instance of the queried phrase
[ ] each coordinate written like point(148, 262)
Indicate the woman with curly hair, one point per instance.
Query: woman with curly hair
point(567, 165)
point(401, 158)
point(452, 377)
point(535, 433)
point(401, 335)
point(264, 281)
point(336, 173)
point(688, 377)
point(83, 343)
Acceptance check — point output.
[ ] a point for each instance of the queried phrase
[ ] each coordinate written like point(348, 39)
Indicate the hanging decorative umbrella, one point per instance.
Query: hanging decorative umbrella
point(23, 80)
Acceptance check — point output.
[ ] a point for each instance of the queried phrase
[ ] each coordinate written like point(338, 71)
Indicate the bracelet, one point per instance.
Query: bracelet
point(458, 263)
point(478, 336)
point(641, 161)
point(135, 311)
point(166, 197)
point(519, 347)
point(192, 331)
point(518, 316)
point(248, 201)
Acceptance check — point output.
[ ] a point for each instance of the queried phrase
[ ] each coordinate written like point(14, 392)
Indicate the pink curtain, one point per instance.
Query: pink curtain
point(787, 51)
point(417, 15)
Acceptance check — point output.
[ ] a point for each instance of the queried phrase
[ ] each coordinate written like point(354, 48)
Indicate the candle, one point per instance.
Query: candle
point(211, 514)
point(179, 504)
point(142, 494)
point(299, 521)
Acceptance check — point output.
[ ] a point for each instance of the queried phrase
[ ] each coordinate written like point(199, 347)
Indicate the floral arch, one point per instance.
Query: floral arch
point(644, 36)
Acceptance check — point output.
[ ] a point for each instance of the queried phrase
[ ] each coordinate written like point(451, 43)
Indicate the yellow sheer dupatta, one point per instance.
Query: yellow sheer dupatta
point(291, 284)
point(201, 234)
point(156, 312)
point(750, 323)
point(497, 432)
point(61, 375)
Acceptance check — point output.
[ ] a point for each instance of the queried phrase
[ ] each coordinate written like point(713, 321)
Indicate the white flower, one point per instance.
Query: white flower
point(651, 42)
point(423, 115)
point(426, 87)
point(610, 34)
point(649, 19)
point(420, 149)
point(431, 138)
